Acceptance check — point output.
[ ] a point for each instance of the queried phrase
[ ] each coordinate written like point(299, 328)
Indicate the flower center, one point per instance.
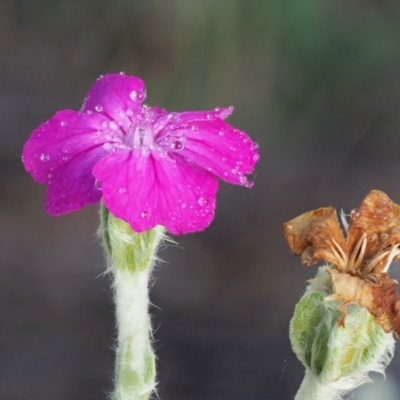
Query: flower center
point(140, 135)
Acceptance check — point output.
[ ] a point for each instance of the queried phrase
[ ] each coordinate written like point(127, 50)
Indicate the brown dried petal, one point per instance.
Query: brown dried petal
point(381, 299)
point(379, 218)
point(311, 235)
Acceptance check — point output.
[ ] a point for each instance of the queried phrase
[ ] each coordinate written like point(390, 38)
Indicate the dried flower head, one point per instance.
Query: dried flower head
point(360, 261)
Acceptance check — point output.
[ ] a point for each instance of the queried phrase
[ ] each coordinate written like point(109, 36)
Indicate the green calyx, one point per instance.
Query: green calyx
point(330, 351)
point(127, 250)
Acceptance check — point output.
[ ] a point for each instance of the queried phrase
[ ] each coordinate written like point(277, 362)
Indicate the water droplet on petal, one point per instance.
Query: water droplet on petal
point(224, 159)
point(89, 112)
point(65, 158)
point(210, 116)
point(242, 180)
point(143, 214)
point(221, 133)
point(177, 145)
point(194, 128)
point(50, 176)
point(121, 190)
point(217, 109)
point(108, 146)
point(99, 108)
point(183, 205)
point(122, 73)
point(129, 112)
point(44, 157)
point(63, 123)
point(234, 171)
point(97, 184)
point(202, 201)
point(113, 125)
point(104, 124)
point(145, 151)
point(138, 95)
point(256, 157)
point(173, 117)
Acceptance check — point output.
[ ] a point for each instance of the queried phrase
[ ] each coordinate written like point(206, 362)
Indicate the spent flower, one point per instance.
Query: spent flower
point(150, 166)
point(341, 329)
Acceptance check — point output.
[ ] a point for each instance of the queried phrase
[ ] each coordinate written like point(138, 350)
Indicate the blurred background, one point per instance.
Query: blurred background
point(315, 82)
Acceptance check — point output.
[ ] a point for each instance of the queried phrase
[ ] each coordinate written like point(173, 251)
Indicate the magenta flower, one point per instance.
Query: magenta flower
point(150, 166)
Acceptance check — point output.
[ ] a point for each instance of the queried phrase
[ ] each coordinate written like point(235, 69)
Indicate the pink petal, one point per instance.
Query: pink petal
point(117, 96)
point(155, 190)
point(61, 153)
point(215, 146)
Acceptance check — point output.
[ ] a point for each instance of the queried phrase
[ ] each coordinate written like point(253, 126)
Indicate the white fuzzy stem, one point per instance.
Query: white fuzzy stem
point(131, 258)
point(313, 389)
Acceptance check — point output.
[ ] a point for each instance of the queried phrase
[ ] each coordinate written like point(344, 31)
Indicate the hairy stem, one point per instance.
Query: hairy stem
point(313, 389)
point(131, 258)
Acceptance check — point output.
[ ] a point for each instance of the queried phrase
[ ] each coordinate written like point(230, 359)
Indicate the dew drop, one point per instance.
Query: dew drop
point(234, 171)
point(129, 112)
point(89, 112)
point(194, 128)
point(113, 125)
point(173, 117)
point(65, 158)
point(108, 146)
point(50, 176)
point(202, 201)
point(104, 124)
point(121, 190)
point(145, 151)
point(183, 205)
point(97, 184)
point(256, 157)
point(221, 133)
point(44, 157)
point(242, 180)
point(143, 214)
point(356, 213)
point(177, 145)
point(217, 109)
point(224, 159)
point(99, 108)
point(63, 123)
point(210, 116)
point(138, 95)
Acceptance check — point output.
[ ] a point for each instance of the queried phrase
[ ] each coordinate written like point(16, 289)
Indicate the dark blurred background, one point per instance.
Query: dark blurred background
point(315, 82)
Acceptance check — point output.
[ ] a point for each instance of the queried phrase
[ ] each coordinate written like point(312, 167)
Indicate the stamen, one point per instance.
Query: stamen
point(357, 254)
point(394, 252)
point(369, 267)
point(340, 255)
